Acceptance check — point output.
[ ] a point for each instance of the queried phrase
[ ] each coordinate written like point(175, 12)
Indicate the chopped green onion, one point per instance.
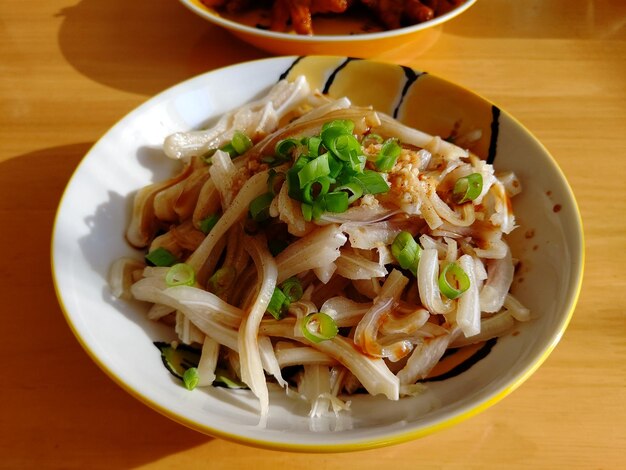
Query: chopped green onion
point(207, 224)
point(341, 143)
point(357, 162)
point(319, 207)
point(206, 156)
point(329, 136)
point(318, 327)
point(313, 170)
point(191, 378)
point(345, 124)
point(276, 245)
point(279, 303)
point(315, 189)
point(161, 257)
point(313, 145)
point(337, 201)
point(354, 188)
point(371, 139)
point(292, 288)
point(335, 165)
point(453, 281)
point(293, 181)
point(229, 149)
point(337, 178)
point(307, 211)
point(274, 160)
point(260, 207)
point(372, 182)
point(467, 188)
point(406, 251)
point(180, 274)
point(389, 153)
point(346, 147)
point(241, 142)
point(285, 148)
point(275, 180)
point(221, 280)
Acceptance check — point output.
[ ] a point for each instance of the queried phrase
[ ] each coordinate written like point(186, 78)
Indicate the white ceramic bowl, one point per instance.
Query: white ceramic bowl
point(412, 40)
point(93, 213)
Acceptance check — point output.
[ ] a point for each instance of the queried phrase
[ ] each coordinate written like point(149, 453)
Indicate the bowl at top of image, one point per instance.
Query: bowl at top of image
point(359, 34)
point(95, 210)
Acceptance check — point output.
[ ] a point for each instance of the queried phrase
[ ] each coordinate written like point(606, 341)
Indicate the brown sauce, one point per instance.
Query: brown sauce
point(457, 361)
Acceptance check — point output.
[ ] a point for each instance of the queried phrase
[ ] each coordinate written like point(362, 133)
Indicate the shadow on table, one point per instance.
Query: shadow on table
point(144, 46)
point(58, 399)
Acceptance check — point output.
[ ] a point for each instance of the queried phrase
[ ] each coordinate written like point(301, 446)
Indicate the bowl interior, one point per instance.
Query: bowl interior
point(94, 211)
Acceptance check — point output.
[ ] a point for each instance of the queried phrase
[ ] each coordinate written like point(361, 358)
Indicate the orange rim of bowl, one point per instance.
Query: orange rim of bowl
point(209, 14)
point(370, 443)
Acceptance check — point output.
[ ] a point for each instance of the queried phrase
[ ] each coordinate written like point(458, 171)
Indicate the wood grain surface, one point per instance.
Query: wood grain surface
point(70, 69)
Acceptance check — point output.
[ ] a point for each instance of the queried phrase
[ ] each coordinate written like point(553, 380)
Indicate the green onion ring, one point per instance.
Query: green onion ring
point(278, 305)
point(467, 188)
point(285, 148)
point(292, 288)
point(336, 202)
point(313, 170)
point(460, 281)
point(406, 251)
point(207, 224)
point(324, 185)
point(191, 378)
point(161, 257)
point(355, 189)
point(260, 207)
point(318, 327)
point(275, 180)
point(221, 280)
point(241, 142)
point(180, 274)
point(307, 211)
point(389, 153)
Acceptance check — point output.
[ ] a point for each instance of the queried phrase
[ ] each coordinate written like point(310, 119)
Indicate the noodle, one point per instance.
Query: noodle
point(337, 250)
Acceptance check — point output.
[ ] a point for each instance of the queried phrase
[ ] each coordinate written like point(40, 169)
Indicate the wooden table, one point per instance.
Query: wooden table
point(70, 69)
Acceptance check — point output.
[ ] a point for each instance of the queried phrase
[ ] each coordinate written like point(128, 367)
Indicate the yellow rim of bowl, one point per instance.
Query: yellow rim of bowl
point(395, 438)
point(197, 7)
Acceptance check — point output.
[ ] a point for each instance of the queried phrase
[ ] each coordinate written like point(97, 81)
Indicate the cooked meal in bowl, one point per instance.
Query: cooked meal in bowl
point(323, 247)
point(299, 15)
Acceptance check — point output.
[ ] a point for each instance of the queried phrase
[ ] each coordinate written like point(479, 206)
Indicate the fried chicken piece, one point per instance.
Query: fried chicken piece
point(300, 13)
point(280, 15)
point(391, 13)
point(395, 13)
point(231, 6)
point(417, 12)
point(329, 6)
